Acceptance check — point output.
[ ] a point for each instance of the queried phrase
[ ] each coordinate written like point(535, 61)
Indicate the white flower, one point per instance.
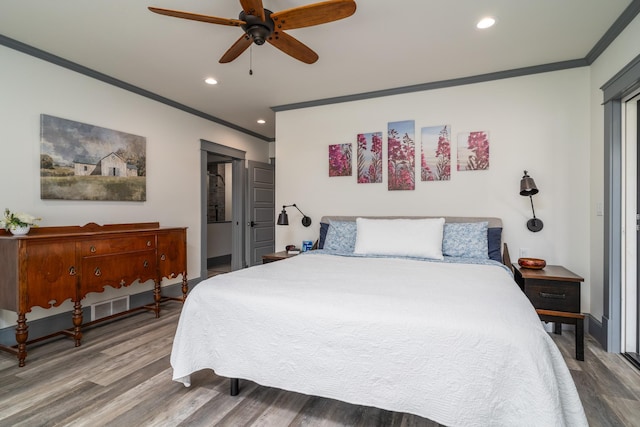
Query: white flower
point(13, 220)
point(26, 218)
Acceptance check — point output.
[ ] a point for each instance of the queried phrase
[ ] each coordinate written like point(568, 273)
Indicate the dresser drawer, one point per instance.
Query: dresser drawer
point(559, 296)
point(115, 245)
point(117, 270)
point(172, 253)
point(52, 274)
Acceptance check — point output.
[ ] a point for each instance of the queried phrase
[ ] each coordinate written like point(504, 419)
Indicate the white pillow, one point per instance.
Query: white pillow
point(401, 237)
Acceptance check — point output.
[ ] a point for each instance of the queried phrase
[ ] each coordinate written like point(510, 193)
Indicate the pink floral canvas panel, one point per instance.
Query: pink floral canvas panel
point(401, 149)
point(340, 160)
point(473, 151)
point(435, 161)
point(369, 157)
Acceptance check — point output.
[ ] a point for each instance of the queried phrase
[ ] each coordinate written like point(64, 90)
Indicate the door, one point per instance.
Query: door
point(631, 296)
point(633, 118)
point(261, 211)
point(633, 112)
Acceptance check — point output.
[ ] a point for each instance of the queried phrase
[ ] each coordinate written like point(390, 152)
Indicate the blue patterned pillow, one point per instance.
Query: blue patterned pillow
point(341, 236)
point(495, 241)
point(324, 227)
point(465, 240)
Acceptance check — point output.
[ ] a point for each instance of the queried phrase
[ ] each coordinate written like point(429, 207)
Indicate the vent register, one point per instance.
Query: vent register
point(110, 307)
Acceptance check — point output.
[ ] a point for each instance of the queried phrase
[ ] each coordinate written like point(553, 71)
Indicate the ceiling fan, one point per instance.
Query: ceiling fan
point(260, 25)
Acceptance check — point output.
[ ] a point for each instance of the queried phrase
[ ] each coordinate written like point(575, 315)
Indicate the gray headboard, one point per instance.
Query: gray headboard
point(493, 222)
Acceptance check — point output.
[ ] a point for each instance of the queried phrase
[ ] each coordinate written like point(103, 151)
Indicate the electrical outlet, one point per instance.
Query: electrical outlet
point(524, 252)
point(599, 209)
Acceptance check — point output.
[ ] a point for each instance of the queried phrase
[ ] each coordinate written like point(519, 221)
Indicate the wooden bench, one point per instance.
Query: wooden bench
point(570, 318)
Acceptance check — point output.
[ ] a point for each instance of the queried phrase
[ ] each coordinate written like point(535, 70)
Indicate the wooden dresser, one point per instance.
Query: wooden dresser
point(53, 264)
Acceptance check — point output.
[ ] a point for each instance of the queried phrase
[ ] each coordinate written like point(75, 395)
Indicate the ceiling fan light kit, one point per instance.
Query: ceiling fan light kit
point(255, 27)
point(260, 25)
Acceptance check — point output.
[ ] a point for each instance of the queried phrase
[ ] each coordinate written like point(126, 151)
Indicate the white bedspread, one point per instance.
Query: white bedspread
point(459, 344)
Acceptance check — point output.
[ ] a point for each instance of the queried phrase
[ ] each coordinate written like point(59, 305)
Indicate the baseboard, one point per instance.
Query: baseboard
point(595, 328)
point(49, 325)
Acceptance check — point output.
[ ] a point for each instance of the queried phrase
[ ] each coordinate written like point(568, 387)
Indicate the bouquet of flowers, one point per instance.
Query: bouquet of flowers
point(15, 220)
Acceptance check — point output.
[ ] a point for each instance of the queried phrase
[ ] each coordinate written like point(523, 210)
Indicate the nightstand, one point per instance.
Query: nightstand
point(276, 256)
point(554, 291)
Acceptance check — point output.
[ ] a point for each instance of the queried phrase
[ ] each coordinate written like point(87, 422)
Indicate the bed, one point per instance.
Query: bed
point(378, 316)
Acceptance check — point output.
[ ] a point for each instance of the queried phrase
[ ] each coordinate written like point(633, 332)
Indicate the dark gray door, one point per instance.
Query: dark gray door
point(261, 211)
point(636, 354)
point(633, 354)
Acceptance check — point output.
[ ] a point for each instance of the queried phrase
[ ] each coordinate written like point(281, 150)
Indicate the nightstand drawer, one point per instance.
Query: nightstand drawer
point(559, 296)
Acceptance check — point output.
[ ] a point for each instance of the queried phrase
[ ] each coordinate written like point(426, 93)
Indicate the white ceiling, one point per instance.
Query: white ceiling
point(385, 44)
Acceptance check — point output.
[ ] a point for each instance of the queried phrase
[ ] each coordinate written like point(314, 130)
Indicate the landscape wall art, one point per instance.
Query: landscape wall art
point(80, 161)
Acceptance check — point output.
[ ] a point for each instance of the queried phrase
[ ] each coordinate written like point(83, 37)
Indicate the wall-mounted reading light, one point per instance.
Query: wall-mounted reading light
point(528, 188)
point(283, 218)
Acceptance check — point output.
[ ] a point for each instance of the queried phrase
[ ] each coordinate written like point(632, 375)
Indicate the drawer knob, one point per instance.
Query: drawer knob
point(145, 263)
point(72, 271)
point(97, 272)
point(149, 243)
point(552, 296)
point(92, 249)
point(163, 257)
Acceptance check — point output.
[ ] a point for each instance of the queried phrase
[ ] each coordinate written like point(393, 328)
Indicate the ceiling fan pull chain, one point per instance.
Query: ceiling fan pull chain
point(250, 60)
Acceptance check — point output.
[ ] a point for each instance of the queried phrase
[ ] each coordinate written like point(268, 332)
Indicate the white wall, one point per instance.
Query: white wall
point(624, 48)
point(29, 87)
point(538, 122)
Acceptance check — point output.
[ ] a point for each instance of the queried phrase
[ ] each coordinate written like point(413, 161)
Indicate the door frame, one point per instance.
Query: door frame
point(623, 84)
point(237, 203)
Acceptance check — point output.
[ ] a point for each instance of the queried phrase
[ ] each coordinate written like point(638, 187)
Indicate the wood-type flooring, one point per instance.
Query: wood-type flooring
point(121, 376)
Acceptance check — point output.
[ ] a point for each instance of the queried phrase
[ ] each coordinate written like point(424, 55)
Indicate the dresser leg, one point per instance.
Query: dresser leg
point(156, 298)
point(185, 286)
point(22, 333)
point(77, 323)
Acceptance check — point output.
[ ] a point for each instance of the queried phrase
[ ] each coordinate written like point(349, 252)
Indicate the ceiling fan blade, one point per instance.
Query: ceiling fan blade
point(198, 17)
point(293, 47)
point(313, 14)
point(253, 7)
point(236, 49)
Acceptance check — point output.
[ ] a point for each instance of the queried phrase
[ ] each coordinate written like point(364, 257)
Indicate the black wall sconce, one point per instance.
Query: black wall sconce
point(528, 188)
point(283, 218)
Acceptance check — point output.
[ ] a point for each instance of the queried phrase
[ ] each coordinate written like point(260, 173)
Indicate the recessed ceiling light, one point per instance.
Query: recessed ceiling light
point(262, 121)
point(210, 81)
point(486, 22)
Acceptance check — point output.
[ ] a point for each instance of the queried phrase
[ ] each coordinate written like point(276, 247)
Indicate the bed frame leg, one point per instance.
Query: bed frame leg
point(235, 387)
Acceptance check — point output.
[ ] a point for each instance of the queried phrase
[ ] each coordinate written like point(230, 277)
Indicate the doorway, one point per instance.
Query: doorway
point(215, 154)
point(219, 213)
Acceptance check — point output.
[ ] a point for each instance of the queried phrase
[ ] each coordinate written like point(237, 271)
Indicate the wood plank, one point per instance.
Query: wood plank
point(627, 410)
point(283, 411)
point(597, 410)
point(254, 404)
point(218, 407)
